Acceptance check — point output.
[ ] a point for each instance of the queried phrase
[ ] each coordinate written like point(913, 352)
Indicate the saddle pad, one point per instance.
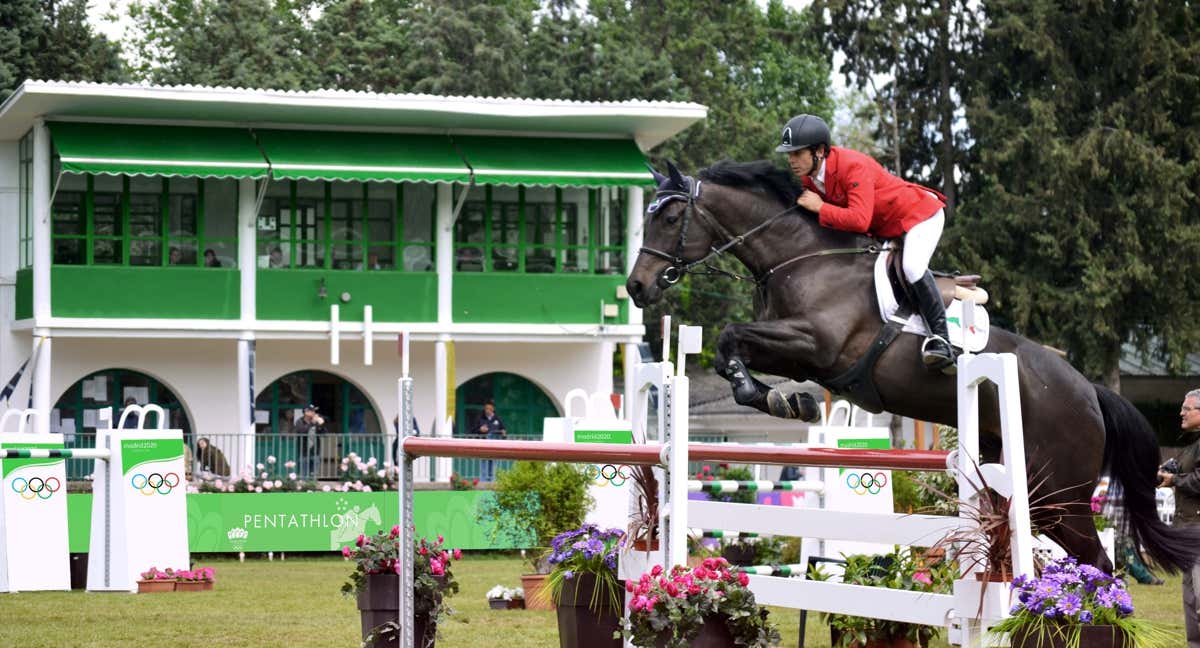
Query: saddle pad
point(976, 337)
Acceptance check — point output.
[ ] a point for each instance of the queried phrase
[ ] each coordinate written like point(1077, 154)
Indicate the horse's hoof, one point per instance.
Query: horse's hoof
point(805, 406)
point(778, 405)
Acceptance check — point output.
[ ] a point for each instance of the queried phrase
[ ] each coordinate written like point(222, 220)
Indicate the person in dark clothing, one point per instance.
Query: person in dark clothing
point(396, 443)
point(210, 458)
point(307, 430)
point(491, 427)
point(131, 421)
point(1187, 508)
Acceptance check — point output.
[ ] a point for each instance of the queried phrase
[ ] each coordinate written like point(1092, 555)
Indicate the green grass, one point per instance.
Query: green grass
point(298, 603)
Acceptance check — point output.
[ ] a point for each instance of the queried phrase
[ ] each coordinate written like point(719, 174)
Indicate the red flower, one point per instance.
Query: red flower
point(362, 539)
point(395, 531)
point(656, 570)
point(743, 579)
point(458, 554)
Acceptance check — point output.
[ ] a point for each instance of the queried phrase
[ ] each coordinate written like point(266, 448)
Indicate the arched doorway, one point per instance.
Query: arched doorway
point(519, 403)
point(351, 423)
point(77, 412)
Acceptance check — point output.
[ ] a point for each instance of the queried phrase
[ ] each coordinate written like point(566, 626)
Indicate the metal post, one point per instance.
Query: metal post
point(404, 486)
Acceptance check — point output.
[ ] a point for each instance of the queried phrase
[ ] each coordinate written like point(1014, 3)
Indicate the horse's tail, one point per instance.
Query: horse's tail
point(1131, 456)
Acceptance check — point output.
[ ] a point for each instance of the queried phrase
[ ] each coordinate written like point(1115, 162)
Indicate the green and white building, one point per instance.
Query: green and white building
point(233, 254)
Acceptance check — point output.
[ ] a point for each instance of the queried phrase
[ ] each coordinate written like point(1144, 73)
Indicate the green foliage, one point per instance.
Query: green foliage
point(725, 472)
point(536, 501)
point(52, 39)
point(905, 569)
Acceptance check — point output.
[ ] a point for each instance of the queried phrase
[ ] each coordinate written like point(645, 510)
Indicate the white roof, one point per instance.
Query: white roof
point(646, 122)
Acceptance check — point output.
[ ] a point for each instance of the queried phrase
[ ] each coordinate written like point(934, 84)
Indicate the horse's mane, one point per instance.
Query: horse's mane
point(759, 175)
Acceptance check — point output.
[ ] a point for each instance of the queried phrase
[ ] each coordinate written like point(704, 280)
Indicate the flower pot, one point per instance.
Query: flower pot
point(208, 585)
point(499, 604)
point(738, 554)
point(516, 604)
point(152, 586)
point(579, 626)
point(642, 544)
point(1090, 636)
point(895, 642)
point(379, 603)
point(535, 599)
point(191, 586)
point(713, 634)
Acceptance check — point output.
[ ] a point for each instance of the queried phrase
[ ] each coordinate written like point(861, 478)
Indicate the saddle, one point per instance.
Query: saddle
point(952, 286)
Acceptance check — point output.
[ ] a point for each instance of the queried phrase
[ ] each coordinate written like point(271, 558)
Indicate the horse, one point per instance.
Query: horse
point(816, 318)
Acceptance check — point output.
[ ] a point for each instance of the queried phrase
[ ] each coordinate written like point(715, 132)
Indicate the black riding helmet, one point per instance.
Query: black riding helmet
point(801, 132)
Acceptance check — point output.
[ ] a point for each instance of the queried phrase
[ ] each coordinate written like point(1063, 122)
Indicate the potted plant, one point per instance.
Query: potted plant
point(906, 569)
point(1079, 606)
point(530, 504)
point(375, 582)
point(194, 580)
point(642, 533)
point(584, 587)
point(709, 606)
point(152, 580)
point(506, 598)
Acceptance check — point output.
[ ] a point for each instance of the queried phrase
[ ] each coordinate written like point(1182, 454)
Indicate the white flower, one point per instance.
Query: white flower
point(260, 466)
point(345, 467)
point(258, 489)
point(382, 473)
point(292, 476)
point(366, 489)
point(264, 475)
point(219, 484)
point(267, 485)
point(278, 484)
point(289, 464)
point(372, 461)
point(326, 488)
point(270, 459)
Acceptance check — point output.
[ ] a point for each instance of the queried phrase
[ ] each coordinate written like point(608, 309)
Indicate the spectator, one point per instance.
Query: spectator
point(210, 259)
point(276, 258)
point(131, 421)
point(175, 257)
point(396, 443)
point(1186, 482)
point(307, 430)
point(210, 458)
point(491, 427)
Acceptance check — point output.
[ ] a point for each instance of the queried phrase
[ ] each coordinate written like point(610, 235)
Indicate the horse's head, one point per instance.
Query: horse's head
point(672, 237)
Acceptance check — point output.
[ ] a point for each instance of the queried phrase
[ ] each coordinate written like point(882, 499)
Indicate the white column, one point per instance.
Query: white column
point(41, 223)
point(41, 381)
point(633, 243)
point(245, 400)
point(445, 253)
point(247, 255)
point(441, 400)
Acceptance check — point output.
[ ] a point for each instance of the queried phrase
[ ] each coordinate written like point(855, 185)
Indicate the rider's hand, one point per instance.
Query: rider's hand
point(810, 201)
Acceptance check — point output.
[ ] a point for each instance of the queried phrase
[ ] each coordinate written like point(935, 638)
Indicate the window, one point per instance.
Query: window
point(541, 229)
point(347, 226)
point(25, 189)
point(144, 221)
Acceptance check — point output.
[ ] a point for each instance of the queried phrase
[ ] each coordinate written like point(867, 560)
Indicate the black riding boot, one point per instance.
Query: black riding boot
point(936, 352)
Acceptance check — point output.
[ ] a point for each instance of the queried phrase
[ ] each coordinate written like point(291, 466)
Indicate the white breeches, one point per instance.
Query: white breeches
point(919, 244)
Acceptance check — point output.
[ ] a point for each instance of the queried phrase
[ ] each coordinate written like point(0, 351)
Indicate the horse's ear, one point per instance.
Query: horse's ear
point(658, 177)
point(676, 176)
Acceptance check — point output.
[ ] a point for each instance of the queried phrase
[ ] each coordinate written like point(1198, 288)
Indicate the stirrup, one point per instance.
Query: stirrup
point(939, 361)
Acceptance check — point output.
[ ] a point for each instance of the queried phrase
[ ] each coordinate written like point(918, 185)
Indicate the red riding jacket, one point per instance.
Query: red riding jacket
point(861, 196)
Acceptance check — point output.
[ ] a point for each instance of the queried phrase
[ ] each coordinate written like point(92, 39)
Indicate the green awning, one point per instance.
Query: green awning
point(358, 156)
point(136, 149)
point(555, 161)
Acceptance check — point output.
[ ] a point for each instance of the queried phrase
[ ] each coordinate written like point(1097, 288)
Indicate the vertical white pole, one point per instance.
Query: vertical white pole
point(246, 253)
point(677, 474)
point(335, 334)
point(41, 382)
point(245, 402)
point(404, 488)
point(368, 336)
point(41, 224)
point(1013, 439)
point(633, 243)
point(444, 236)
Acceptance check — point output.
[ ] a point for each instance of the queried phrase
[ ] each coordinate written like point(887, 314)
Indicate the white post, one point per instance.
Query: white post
point(245, 400)
point(41, 380)
point(633, 243)
point(444, 236)
point(368, 336)
point(41, 224)
point(335, 334)
point(247, 221)
point(404, 486)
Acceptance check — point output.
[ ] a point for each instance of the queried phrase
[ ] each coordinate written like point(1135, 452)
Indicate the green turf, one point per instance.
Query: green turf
point(298, 603)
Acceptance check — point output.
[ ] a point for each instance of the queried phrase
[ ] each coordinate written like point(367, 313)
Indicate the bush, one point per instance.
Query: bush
point(535, 501)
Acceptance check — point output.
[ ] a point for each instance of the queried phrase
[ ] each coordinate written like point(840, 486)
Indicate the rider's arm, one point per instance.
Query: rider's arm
point(860, 203)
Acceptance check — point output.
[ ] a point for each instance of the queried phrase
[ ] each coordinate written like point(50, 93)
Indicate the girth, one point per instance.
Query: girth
point(858, 382)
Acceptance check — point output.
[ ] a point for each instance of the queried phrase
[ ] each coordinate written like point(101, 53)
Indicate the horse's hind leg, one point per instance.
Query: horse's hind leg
point(745, 345)
point(1061, 508)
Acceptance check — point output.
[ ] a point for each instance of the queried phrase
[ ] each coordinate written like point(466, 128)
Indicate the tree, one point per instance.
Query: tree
point(1084, 210)
point(460, 47)
point(238, 43)
point(52, 40)
point(913, 55)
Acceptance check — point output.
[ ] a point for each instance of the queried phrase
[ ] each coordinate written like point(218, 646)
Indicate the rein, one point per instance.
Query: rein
point(680, 266)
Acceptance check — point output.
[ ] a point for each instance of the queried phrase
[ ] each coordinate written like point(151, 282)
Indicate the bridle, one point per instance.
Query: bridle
point(680, 266)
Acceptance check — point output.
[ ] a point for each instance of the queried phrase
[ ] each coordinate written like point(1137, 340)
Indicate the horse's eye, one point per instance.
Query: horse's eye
point(672, 218)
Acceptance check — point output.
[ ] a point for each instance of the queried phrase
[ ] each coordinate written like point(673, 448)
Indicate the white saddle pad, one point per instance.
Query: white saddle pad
point(976, 336)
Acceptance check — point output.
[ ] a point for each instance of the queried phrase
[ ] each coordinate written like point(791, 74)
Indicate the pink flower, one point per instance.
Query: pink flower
point(346, 551)
point(362, 539)
point(436, 568)
point(458, 554)
point(396, 567)
point(922, 576)
point(656, 570)
point(441, 539)
point(629, 586)
point(395, 531)
point(423, 551)
point(743, 579)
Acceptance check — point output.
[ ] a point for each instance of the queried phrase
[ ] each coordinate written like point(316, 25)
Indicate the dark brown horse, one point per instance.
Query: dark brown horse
point(816, 316)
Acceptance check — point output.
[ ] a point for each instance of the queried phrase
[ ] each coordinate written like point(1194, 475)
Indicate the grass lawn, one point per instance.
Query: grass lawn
point(298, 603)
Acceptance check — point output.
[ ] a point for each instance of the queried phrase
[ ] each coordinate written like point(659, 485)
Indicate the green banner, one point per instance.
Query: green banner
point(135, 452)
point(231, 522)
point(604, 436)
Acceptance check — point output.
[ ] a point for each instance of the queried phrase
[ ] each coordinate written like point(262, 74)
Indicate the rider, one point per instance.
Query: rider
point(851, 191)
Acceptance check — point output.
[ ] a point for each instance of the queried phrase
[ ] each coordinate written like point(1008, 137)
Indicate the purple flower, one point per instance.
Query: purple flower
point(1070, 605)
point(1085, 616)
point(568, 574)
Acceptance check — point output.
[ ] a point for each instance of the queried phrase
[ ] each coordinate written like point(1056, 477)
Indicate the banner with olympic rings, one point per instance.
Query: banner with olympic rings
point(33, 497)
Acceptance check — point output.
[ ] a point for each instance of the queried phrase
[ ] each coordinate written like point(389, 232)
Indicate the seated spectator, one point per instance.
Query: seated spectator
point(210, 458)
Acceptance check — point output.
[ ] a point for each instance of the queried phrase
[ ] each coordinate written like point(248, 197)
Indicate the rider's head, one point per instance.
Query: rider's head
point(805, 139)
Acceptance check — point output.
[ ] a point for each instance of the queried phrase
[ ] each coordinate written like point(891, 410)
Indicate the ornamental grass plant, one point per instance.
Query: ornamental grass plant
point(672, 606)
point(1054, 608)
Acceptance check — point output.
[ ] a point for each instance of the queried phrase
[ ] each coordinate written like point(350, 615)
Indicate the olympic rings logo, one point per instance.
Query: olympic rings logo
point(866, 482)
point(154, 483)
point(608, 474)
point(36, 487)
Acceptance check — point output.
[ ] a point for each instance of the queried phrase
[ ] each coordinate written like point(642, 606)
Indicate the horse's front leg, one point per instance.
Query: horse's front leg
point(776, 347)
